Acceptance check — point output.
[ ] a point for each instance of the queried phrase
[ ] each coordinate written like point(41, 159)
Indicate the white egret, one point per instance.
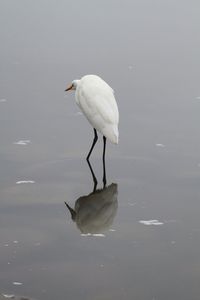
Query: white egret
point(96, 100)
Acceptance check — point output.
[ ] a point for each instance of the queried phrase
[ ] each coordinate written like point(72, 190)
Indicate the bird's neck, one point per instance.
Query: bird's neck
point(75, 83)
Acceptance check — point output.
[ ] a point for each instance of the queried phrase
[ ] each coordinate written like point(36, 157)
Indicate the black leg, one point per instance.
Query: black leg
point(94, 142)
point(104, 165)
point(88, 156)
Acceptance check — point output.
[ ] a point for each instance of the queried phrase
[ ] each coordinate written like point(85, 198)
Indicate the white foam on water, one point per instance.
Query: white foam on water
point(25, 181)
point(2, 100)
point(198, 97)
point(160, 145)
point(22, 142)
point(98, 234)
point(151, 222)
point(85, 234)
point(93, 234)
point(112, 229)
point(17, 283)
point(15, 242)
point(8, 296)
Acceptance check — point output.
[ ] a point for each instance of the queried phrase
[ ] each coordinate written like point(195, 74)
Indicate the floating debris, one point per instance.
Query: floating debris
point(85, 234)
point(98, 234)
point(8, 296)
point(17, 283)
point(160, 145)
point(22, 142)
point(25, 181)
point(93, 234)
point(151, 222)
point(14, 297)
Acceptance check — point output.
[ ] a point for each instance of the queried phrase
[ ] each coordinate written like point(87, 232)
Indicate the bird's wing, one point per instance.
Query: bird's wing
point(99, 105)
point(97, 102)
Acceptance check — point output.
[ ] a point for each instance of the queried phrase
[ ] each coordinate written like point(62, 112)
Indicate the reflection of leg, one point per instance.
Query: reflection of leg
point(104, 165)
point(94, 142)
point(93, 176)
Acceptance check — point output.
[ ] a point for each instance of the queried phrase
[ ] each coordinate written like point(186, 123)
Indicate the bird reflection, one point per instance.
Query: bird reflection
point(94, 213)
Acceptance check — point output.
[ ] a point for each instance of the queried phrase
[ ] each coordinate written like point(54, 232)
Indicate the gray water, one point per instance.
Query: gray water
point(148, 51)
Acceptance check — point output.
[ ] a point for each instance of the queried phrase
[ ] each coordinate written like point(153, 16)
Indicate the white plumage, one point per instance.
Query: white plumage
point(97, 102)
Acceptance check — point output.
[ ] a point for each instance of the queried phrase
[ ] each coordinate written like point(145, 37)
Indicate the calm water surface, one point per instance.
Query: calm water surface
point(138, 238)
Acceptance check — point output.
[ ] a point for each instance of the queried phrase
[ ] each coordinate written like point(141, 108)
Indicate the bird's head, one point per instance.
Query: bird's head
point(72, 86)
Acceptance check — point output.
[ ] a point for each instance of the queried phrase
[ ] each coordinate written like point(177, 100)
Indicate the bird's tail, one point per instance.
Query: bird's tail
point(111, 133)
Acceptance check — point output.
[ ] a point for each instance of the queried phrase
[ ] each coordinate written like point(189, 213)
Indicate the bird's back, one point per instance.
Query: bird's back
point(96, 100)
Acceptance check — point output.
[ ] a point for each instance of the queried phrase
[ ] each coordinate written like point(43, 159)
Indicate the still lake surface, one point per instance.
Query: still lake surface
point(139, 238)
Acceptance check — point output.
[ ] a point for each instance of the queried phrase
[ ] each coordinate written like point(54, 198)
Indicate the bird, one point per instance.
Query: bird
point(96, 100)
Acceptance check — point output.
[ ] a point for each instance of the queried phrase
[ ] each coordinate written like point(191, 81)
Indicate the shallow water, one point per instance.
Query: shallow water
point(138, 238)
